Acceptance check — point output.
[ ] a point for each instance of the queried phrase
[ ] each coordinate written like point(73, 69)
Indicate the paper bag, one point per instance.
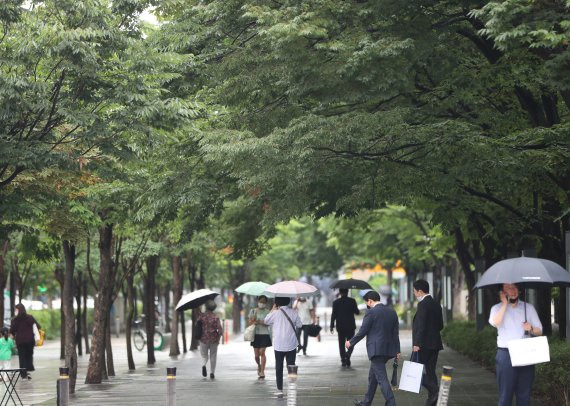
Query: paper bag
point(529, 351)
point(411, 378)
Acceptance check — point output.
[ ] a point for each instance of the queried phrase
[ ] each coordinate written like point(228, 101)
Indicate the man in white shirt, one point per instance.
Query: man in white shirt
point(307, 314)
point(513, 320)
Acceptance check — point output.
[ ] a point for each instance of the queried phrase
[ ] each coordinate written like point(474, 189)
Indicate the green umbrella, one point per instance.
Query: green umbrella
point(254, 289)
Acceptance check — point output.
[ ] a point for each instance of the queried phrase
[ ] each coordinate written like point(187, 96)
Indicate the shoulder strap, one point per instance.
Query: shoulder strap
point(292, 325)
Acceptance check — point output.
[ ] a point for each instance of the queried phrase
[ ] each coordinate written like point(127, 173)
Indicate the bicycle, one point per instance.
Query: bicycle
point(140, 339)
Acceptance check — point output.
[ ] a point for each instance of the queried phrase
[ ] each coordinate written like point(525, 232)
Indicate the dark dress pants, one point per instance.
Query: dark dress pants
point(305, 331)
point(377, 376)
point(279, 356)
point(429, 381)
point(343, 335)
point(513, 380)
point(26, 357)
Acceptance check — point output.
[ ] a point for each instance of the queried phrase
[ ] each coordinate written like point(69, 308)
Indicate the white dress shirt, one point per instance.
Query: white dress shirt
point(284, 336)
point(511, 328)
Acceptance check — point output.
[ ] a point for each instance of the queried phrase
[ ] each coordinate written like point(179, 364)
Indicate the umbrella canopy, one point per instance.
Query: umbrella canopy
point(350, 284)
point(253, 288)
point(527, 270)
point(195, 299)
point(291, 289)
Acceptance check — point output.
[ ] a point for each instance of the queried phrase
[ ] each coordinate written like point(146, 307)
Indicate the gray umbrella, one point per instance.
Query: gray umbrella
point(531, 272)
point(350, 284)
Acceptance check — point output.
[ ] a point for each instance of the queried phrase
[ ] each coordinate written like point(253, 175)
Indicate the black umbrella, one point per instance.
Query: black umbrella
point(350, 284)
point(195, 299)
point(528, 272)
point(531, 272)
point(394, 380)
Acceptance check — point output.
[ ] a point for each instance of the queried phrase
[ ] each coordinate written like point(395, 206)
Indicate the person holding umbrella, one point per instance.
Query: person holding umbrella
point(513, 319)
point(262, 339)
point(285, 321)
point(343, 310)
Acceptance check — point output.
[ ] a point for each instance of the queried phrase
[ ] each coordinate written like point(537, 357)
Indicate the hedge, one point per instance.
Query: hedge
point(50, 320)
point(552, 381)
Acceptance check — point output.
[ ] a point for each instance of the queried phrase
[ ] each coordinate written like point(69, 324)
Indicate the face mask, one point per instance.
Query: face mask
point(513, 300)
point(261, 305)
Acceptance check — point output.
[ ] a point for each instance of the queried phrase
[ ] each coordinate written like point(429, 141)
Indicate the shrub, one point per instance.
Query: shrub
point(552, 381)
point(50, 321)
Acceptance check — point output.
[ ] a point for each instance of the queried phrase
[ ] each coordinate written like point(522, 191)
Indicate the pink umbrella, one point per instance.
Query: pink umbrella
point(291, 289)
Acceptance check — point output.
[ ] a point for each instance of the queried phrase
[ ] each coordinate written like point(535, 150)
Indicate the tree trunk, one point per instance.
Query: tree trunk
point(60, 277)
point(150, 290)
point(96, 367)
point(3, 277)
point(183, 331)
point(166, 309)
point(129, 321)
point(176, 295)
point(78, 316)
point(84, 314)
point(109, 349)
point(67, 306)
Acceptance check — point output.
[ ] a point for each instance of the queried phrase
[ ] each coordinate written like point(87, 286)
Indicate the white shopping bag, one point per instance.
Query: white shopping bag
point(411, 378)
point(529, 351)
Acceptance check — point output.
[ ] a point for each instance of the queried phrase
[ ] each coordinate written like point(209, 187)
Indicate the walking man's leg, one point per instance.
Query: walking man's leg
point(341, 345)
point(429, 359)
point(505, 377)
point(279, 356)
point(378, 365)
point(524, 377)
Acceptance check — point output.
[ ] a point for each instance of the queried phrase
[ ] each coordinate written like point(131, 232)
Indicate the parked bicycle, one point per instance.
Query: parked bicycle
point(140, 339)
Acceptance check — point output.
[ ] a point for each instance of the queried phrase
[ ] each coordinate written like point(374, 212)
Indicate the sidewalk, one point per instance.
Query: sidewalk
point(321, 380)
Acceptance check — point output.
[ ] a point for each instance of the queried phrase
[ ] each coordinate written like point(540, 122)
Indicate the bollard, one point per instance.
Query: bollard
point(171, 386)
point(444, 386)
point(226, 332)
point(63, 387)
point(292, 385)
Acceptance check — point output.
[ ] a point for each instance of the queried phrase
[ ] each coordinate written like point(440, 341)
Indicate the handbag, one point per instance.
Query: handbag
point(529, 351)
point(38, 335)
point(249, 333)
point(313, 330)
point(198, 329)
point(412, 372)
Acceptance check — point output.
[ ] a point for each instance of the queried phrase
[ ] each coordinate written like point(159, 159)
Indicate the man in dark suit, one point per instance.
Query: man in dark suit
point(343, 311)
point(426, 338)
point(380, 326)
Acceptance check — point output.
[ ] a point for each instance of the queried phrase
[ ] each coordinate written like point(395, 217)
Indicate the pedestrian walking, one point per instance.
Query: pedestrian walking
point(306, 312)
point(381, 329)
point(6, 348)
point(262, 339)
point(343, 310)
point(284, 322)
point(512, 323)
point(22, 327)
point(211, 333)
point(426, 337)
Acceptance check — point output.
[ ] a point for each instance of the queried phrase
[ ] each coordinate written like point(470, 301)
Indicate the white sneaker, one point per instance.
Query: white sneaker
point(279, 393)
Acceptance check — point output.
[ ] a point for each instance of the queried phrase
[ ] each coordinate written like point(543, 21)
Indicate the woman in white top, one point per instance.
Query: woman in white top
point(284, 322)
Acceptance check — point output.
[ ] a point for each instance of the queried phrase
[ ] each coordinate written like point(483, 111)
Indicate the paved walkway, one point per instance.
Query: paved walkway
point(322, 381)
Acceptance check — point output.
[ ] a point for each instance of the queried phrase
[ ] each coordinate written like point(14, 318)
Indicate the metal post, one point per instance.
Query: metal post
point(292, 385)
point(444, 386)
point(63, 387)
point(171, 386)
point(480, 319)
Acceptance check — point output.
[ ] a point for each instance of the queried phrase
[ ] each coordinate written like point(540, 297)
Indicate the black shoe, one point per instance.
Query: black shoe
point(348, 362)
point(29, 377)
point(204, 372)
point(343, 363)
point(212, 376)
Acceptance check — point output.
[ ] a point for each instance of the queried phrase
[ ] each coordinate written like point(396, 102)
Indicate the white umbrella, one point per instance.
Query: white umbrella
point(291, 289)
point(195, 299)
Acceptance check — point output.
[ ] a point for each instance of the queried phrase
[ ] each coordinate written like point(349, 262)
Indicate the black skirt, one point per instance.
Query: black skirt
point(261, 341)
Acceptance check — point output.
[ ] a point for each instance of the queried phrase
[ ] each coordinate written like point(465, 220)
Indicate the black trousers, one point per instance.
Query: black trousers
point(343, 335)
point(305, 330)
point(26, 357)
point(279, 357)
point(429, 381)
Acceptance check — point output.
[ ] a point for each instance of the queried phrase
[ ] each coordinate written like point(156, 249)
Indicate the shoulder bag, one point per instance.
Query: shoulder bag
point(292, 325)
